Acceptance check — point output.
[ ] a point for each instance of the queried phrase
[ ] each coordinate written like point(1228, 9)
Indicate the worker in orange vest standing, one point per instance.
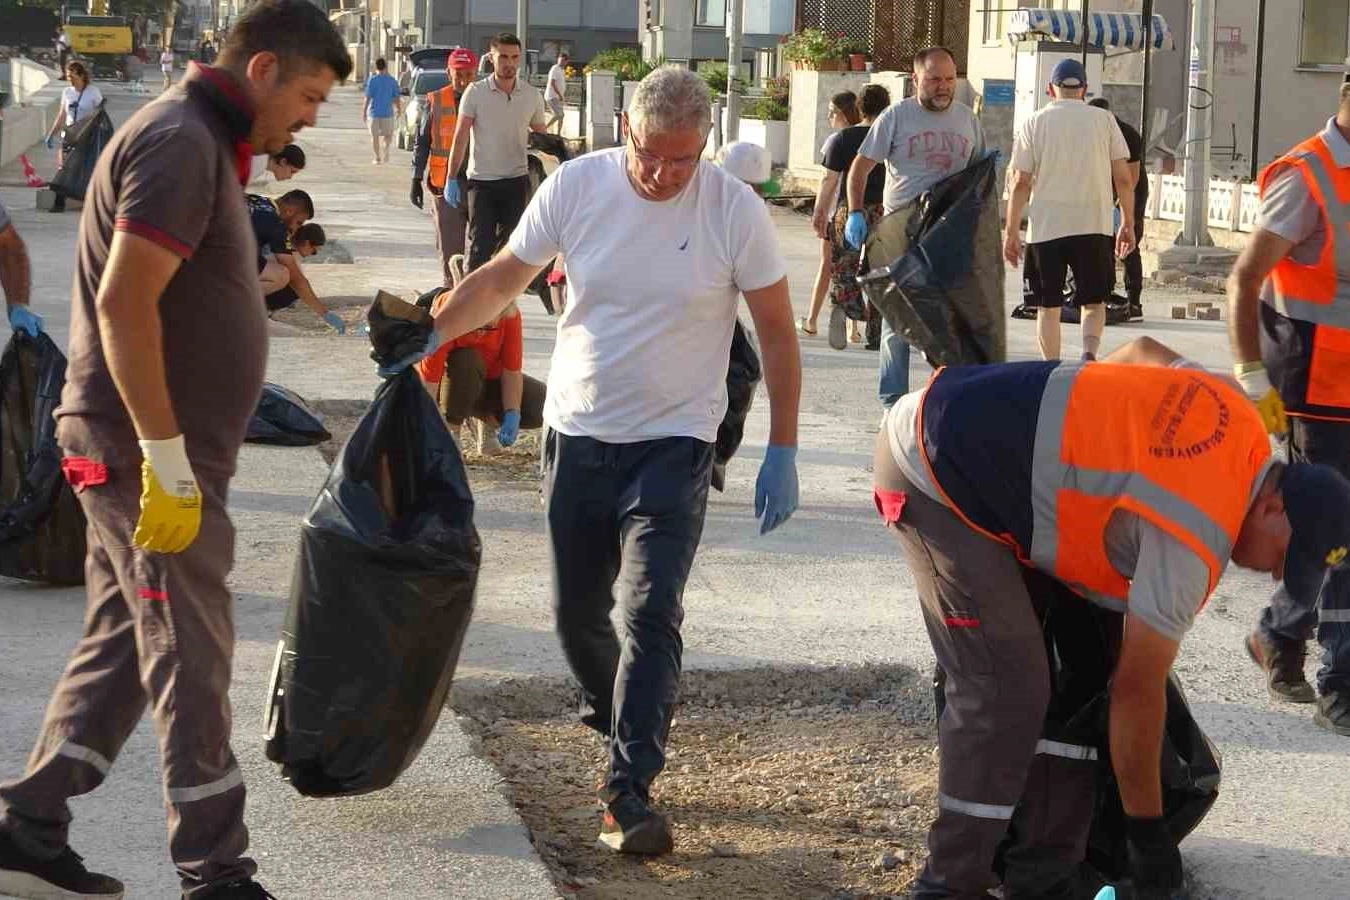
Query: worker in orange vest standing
point(1289, 309)
point(1010, 507)
point(435, 136)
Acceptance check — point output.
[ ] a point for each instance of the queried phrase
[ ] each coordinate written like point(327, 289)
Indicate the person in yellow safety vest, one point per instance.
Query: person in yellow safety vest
point(435, 135)
point(1289, 305)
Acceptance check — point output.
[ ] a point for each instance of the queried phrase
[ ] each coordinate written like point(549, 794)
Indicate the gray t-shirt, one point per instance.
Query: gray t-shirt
point(921, 147)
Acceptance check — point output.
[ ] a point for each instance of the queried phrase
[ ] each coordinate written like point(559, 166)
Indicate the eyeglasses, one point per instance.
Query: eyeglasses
point(652, 161)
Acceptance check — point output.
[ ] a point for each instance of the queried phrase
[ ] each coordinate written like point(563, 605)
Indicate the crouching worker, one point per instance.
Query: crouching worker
point(479, 376)
point(1004, 496)
point(275, 225)
point(276, 277)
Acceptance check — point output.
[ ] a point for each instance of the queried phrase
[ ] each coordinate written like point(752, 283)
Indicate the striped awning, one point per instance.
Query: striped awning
point(1107, 30)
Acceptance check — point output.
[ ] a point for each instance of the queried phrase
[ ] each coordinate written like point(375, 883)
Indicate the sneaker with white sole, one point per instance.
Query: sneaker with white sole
point(488, 445)
point(62, 878)
point(629, 825)
point(457, 268)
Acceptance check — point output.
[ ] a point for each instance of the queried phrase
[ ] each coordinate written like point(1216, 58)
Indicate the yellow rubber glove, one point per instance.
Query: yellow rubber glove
point(1256, 382)
point(171, 502)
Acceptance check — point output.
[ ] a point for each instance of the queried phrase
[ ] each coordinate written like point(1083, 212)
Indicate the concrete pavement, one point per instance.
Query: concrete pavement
point(828, 588)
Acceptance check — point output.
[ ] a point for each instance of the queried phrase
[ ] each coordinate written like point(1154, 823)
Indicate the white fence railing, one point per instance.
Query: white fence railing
point(1232, 204)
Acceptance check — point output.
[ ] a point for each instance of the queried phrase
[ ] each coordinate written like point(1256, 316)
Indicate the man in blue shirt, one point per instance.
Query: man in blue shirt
point(383, 105)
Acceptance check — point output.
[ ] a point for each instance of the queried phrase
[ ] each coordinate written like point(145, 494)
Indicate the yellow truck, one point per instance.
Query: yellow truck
point(105, 41)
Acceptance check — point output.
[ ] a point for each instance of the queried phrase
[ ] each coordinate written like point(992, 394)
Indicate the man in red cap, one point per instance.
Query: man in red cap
point(435, 138)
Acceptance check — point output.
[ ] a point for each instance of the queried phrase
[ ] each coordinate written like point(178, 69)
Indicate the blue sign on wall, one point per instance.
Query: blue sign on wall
point(998, 92)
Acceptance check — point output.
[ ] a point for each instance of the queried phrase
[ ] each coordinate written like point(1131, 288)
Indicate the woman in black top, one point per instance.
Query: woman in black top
point(843, 115)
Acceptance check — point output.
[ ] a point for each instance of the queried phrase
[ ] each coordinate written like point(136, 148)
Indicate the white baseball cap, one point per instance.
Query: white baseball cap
point(750, 163)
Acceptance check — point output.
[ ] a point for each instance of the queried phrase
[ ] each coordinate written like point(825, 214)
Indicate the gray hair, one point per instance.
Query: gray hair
point(671, 98)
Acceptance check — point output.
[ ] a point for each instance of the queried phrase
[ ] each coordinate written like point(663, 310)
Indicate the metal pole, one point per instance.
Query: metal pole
point(1256, 103)
point(427, 37)
point(735, 25)
point(1199, 121)
point(522, 28)
point(1146, 98)
point(1086, 9)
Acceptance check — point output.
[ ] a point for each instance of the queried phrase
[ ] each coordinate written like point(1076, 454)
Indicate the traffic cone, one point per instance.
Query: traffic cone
point(30, 174)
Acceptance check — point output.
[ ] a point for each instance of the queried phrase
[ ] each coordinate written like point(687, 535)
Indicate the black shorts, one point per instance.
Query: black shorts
point(1091, 258)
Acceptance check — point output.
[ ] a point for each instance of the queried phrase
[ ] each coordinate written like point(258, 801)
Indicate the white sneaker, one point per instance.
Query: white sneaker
point(457, 268)
point(488, 445)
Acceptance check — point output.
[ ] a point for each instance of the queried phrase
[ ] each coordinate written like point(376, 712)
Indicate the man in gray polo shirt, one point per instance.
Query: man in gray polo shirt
point(500, 112)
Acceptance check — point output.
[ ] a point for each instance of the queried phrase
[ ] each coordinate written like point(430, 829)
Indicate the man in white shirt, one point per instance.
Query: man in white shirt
point(166, 67)
point(660, 245)
point(1066, 150)
point(557, 92)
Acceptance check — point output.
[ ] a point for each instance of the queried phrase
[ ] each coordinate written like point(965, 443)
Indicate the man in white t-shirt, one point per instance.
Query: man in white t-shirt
point(556, 93)
point(660, 245)
point(1072, 153)
point(166, 66)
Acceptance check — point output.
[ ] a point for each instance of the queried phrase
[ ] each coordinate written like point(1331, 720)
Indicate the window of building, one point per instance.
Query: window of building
point(710, 13)
point(996, 15)
point(1323, 40)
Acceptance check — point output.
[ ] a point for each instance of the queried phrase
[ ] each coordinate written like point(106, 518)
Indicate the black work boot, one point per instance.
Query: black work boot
point(244, 889)
point(1136, 309)
point(1283, 664)
point(24, 875)
point(1333, 712)
point(630, 825)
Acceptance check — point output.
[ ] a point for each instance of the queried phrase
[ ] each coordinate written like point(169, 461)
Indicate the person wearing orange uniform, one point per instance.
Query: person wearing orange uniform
point(1289, 297)
point(431, 158)
point(1009, 506)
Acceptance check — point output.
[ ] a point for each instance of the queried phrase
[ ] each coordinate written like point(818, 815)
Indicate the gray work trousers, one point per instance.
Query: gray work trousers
point(452, 228)
point(995, 771)
point(631, 516)
point(158, 630)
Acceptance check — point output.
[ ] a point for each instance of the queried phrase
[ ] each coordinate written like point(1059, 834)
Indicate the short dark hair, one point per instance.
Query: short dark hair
point(310, 233)
point(381, 65)
point(291, 155)
point(1100, 103)
point(505, 39)
point(564, 55)
point(923, 56)
point(847, 104)
point(75, 67)
point(300, 199)
point(297, 31)
point(875, 98)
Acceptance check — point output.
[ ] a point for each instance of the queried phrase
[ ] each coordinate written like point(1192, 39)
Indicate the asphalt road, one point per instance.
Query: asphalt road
point(828, 588)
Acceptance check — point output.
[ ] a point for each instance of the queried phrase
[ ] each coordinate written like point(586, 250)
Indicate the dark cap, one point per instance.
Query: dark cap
point(1069, 73)
point(1317, 502)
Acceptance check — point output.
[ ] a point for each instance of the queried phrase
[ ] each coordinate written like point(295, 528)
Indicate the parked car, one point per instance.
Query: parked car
point(428, 74)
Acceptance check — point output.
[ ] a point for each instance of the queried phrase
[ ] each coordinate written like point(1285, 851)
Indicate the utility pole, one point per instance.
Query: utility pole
point(735, 29)
point(427, 31)
point(1199, 127)
point(522, 28)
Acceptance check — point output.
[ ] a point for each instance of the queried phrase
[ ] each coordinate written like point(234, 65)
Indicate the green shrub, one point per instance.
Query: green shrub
point(625, 62)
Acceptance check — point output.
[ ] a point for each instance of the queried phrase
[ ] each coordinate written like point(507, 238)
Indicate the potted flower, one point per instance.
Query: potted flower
point(812, 48)
point(857, 57)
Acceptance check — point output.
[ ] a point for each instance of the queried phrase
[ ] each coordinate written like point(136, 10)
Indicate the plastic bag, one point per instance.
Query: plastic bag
point(283, 418)
point(42, 528)
point(87, 140)
point(382, 593)
point(743, 375)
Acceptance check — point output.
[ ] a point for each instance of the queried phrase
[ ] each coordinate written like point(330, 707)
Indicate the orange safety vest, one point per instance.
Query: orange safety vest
point(1313, 376)
point(1181, 448)
point(444, 112)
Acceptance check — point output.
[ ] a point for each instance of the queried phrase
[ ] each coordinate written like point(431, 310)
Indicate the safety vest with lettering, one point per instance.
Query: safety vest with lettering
point(1040, 455)
point(444, 112)
point(1306, 316)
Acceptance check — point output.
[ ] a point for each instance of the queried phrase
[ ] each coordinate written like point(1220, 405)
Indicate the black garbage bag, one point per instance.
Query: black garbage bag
point(743, 375)
point(87, 140)
point(945, 294)
point(42, 528)
point(283, 418)
point(382, 593)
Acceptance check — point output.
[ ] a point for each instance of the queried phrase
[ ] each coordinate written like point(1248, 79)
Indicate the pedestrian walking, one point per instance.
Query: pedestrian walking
point(16, 278)
point(499, 112)
point(843, 114)
point(1007, 504)
point(383, 106)
point(166, 59)
point(557, 93)
point(922, 139)
point(80, 99)
point(1289, 314)
point(150, 440)
point(62, 42)
point(659, 243)
point(1133, 264)
point(1076, 157)
point(431, 161)
point(281, 166)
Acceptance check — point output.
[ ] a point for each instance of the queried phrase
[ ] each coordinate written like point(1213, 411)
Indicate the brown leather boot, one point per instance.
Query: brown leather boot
point(1283, 664)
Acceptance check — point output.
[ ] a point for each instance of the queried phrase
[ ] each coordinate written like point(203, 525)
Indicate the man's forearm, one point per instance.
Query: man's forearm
point(1138, 713)
point(459, 148)
point(783, 376)
point(1244, 304)
point(857, 182)
point(513, 389)
point(16, 276)
point(1017, 204)
point(133, 344)
point(305, 292)
point(1125, 190)
point(482, 296)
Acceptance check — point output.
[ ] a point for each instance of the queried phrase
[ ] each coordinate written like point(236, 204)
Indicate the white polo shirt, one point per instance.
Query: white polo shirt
point(501, 127)
point(653, 288)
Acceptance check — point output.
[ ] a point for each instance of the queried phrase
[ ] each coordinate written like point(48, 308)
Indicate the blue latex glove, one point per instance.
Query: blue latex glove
point(776, 488)
point(21, 318)
point(51, 141)
point(510, 430)
point(451, 193)
point(335, 322)
point(1106, 893)
point(855, 230)
point(433, 341)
